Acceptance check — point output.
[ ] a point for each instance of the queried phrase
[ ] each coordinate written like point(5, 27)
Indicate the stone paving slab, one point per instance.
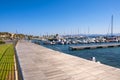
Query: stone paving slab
point(40, 63)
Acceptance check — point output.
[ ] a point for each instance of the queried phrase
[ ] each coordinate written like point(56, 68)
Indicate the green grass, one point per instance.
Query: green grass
point(6, 62)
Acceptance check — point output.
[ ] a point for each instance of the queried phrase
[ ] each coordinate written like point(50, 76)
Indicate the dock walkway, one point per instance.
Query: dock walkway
point(94, 46)
point(40, 63)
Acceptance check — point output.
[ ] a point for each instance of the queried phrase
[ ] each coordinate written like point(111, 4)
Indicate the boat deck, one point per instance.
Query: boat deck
point(40, 63)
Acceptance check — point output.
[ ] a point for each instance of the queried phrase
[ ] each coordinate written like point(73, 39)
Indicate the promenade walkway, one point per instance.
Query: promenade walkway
point(40, 63)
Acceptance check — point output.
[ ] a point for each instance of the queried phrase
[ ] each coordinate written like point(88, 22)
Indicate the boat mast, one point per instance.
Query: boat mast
point(88, 30)
point(112, 25)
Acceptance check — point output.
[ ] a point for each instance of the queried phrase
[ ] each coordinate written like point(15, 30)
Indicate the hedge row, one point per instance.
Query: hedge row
point(2, 42)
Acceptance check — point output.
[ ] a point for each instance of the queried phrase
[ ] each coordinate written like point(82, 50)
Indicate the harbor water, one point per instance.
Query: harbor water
point(108, 56)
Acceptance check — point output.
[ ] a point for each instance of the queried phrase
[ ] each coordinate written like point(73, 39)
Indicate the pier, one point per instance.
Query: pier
point(94, 46)
point(40, 63)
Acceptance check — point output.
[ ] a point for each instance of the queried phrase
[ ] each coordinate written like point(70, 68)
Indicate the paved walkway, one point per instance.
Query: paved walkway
point(40, 63)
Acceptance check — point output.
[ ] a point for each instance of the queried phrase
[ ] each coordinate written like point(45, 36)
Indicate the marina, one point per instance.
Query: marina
point(94, 46)
point(109, 55)
point(60, 40)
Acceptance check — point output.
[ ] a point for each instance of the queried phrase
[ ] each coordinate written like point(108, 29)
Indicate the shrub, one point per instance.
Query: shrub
point(2, 42)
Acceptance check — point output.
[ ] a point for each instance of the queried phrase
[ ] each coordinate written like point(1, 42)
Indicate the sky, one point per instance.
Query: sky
point(42, 17)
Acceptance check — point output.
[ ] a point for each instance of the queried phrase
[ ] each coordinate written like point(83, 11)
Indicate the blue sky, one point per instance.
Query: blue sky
point(38, 17)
